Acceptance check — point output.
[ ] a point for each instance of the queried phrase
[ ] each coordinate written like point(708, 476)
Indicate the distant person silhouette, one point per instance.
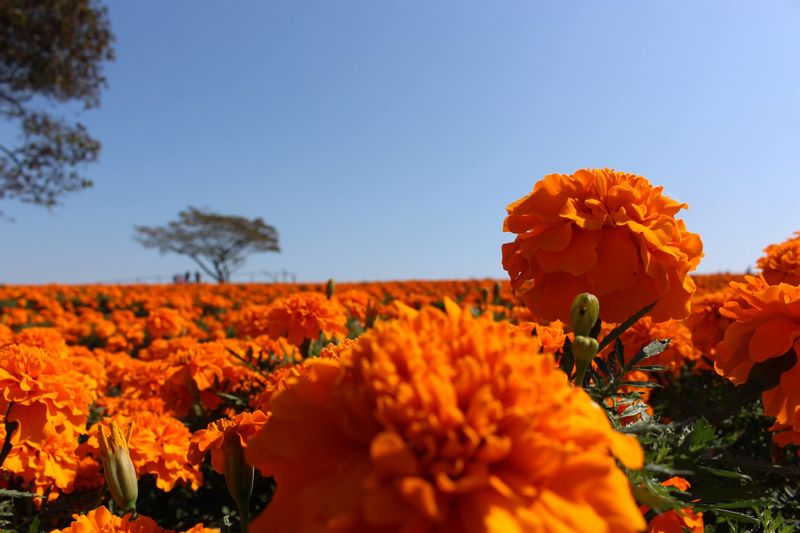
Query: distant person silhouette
point(197, 276)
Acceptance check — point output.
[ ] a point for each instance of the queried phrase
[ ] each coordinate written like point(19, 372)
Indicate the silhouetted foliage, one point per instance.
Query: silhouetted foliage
point(50, 51)
point(217, 243)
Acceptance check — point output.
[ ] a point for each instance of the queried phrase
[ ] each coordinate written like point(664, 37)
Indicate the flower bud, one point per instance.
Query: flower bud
point(118, 468)
point(583, 350)
point(584, 313)
point(238, 477)
point(330, 288)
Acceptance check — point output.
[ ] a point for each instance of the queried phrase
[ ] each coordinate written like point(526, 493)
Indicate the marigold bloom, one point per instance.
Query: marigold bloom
point(706, 323)
point(685, 520)
point(444, 422)
point(357, 303)
point(165, 322)
point(101, 520)
point(766, 325)
point(781, 262)
point(551, 337)
point(212, 439)
point(196, 374)
point(47, 464)
point(45, 389)
point(48, 339)
point(605, 232)
point(158, 445)
point(304, 316)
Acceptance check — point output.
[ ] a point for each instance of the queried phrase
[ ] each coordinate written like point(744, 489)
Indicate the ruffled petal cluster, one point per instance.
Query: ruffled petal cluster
point(101, 520)
point(605, 232)
point(443, 422)
point(765, 325)
point(781, 262)
point(45, 389)
point(158, 445)
point(239, 428)
point(297, 317)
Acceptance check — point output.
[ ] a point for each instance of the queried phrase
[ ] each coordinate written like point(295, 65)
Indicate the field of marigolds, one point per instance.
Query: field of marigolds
point(601, 387)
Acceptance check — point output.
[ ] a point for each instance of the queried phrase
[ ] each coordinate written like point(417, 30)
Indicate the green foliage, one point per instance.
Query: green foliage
point(718, 442)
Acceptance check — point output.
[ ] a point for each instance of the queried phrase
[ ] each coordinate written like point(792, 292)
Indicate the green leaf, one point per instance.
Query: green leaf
point(651, 350)
point(16, 494)
point(703, 434)
point(733, 515)
point(619, 352)
point(640, 384)
point(619, 330)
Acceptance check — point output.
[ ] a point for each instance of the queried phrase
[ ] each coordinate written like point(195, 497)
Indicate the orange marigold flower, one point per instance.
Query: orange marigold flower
point(212, 440)
point(46, 338)
point(551, 337)
point(195, 375)
point(706, 323)
point(685, 520)
point(605, 232)
point(781, 262)
point(45, 390)
point(101, 520)
point(6, 334)
point(357, 303)
point(47, 464)
point(165, 322)
point(766, 325)
point(158, 445)
point(304, 316)
point(200, 528)
point(443, 421)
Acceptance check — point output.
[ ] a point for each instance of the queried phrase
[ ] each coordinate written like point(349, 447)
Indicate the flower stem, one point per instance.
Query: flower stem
point(11, 426)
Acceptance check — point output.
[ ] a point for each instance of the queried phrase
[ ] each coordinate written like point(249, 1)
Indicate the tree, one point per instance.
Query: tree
point(217, 243)
point(51, 51)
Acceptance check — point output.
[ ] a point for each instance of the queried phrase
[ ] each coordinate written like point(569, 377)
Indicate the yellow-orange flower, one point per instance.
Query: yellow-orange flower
point(158, 445)
point(356, 301)
point(551, 337)
point(304, 316)
point(196, 374)
point(45, 390)
point(101, 520)
point(765, 325)
point(781, 262)
point(165, 322)
point(706, 323)
point(212, 439)
point(48, 464)
point(443, 422)
point(605, 232)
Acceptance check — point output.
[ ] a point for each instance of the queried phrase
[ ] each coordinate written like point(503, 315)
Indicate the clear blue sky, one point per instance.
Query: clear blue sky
point(384, 139)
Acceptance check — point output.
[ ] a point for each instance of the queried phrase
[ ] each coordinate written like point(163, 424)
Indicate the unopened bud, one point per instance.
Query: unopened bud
point(584, 313)
point(330, 288)
point(118, 468)
point(583, 351)
point(238, 478)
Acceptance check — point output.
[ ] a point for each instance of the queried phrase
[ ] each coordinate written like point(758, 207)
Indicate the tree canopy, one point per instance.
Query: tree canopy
point(217, 243)
point(50, 51)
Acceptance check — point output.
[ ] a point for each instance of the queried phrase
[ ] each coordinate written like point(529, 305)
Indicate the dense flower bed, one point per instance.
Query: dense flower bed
point(462, 405)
